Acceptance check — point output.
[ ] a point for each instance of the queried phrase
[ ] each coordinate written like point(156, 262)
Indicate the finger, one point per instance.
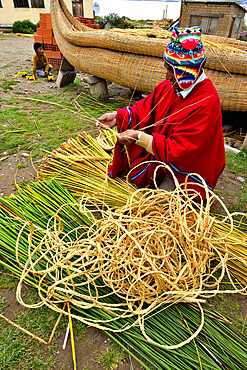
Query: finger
point(98, 124)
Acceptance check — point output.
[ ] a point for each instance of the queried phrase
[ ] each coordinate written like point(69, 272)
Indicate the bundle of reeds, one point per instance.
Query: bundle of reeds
point(218, 345)
point(136, 62)
point(86, 175)
point(81, 166)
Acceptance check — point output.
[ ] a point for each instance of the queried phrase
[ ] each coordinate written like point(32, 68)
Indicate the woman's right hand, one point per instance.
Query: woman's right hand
point(108, 119)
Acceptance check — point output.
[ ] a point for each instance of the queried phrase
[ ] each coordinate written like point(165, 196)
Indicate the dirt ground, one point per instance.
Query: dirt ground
point(16, 55)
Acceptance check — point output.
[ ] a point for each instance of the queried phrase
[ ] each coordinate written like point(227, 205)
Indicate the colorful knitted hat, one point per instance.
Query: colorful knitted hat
point(185, 54)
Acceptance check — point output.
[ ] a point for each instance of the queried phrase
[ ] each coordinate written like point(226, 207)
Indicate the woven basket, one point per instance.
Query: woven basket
point(140, 72)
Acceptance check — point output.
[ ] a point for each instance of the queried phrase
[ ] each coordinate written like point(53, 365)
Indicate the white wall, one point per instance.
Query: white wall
point(9, 14)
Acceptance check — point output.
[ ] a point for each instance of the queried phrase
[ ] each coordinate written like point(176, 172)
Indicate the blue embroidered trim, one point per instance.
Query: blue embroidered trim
point(123, 149)
point(130, 119)
point(182, 172)
point(188, 173)
point(140, 173)
point(111, 174)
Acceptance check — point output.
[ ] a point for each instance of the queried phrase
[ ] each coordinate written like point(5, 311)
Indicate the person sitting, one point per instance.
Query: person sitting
point(40, 61)
point(179, 123)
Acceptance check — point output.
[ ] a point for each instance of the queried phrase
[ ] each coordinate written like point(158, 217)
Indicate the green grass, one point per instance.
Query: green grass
point(229, 306)
point(237, 162)
point(110, 358)
point(7, 85)
point(7, 280)
point(5, 66)
point(21, 165)
point(19, 350)
point(3, 302)
point(46, 126)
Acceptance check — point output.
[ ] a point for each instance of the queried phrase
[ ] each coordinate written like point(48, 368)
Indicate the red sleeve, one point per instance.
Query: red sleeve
point(189, 136)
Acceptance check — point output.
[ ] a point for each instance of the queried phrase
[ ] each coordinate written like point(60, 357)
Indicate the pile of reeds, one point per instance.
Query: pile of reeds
point(81, 166)
point(47, 206)
point(136, 62)
point(72, 168)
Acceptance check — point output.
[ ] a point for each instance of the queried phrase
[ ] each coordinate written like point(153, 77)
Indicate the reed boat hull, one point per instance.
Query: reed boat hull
point(105, 55)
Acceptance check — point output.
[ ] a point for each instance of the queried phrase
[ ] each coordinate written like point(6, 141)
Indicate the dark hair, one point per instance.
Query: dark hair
point(37, 45)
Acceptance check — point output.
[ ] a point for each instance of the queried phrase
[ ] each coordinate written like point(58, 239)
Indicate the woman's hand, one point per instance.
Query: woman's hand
point(128, 137)
point(108, 119)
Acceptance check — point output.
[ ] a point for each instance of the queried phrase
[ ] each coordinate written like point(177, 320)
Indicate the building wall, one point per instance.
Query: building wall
point(88, 8)
point(9, 14)
point(225, 11)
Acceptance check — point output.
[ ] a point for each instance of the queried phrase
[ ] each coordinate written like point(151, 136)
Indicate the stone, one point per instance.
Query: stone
point(66, 74)
point(241, 179)
point(98, 87)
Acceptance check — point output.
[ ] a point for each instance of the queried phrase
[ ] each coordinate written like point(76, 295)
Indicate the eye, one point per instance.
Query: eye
point(167, 66)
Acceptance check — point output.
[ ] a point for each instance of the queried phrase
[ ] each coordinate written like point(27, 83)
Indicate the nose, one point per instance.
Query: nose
point(169, 75)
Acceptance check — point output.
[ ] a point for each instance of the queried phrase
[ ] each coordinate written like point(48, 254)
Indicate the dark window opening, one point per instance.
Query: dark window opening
point(209, 24)
point(37, 4)
point(77, 7)
point(1, 4)
point(21, 4)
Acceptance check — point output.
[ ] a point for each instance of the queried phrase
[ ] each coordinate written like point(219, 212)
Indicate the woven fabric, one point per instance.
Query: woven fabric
point(185, 54)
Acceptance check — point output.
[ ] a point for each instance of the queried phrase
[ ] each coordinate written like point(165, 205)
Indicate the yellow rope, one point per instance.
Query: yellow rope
point(160, 249)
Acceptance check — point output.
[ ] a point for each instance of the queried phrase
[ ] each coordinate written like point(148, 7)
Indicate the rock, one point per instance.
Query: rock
point(241, 179)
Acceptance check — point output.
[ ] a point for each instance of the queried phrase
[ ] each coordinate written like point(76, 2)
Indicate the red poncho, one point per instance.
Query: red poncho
point(187, 135)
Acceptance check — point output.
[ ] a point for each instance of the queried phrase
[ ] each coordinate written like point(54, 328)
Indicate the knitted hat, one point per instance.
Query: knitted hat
point(185, 54)
point(37, 45)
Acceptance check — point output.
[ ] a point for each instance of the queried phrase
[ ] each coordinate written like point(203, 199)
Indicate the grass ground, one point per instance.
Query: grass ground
point(45, 121)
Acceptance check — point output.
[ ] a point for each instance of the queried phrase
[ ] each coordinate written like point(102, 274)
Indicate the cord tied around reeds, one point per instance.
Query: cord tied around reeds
point(159, 249)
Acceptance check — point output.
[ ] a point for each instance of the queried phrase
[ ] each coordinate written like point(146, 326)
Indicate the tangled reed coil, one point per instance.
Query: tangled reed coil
point(160, 249)
point(106, 139)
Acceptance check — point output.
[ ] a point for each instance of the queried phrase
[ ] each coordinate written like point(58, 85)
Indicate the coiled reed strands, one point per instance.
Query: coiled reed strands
point(169, 325)
point(157, 250)
point(106, 139)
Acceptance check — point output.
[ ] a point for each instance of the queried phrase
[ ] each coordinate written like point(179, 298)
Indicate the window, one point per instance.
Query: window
point(77, 7)
point(237, 25)
point(21, 4)
point(37, 4)
point(1, 4)
point(209, 24)
point(194, 20)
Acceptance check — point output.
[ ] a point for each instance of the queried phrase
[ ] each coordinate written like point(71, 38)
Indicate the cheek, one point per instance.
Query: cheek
point(170, 75)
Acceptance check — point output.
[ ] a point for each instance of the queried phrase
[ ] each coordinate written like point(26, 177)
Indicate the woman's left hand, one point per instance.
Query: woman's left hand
point(128, 137)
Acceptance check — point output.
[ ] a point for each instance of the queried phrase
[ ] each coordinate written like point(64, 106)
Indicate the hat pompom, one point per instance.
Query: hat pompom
point(190, 43)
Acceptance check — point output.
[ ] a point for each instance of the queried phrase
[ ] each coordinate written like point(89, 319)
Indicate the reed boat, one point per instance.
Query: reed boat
point(136, 61)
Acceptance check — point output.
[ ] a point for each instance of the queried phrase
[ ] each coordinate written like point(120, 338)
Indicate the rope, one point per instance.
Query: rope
point(158, 250)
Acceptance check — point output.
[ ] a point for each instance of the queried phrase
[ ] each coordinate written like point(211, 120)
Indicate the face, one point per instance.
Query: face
point(171, 77)
point(40, 51)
